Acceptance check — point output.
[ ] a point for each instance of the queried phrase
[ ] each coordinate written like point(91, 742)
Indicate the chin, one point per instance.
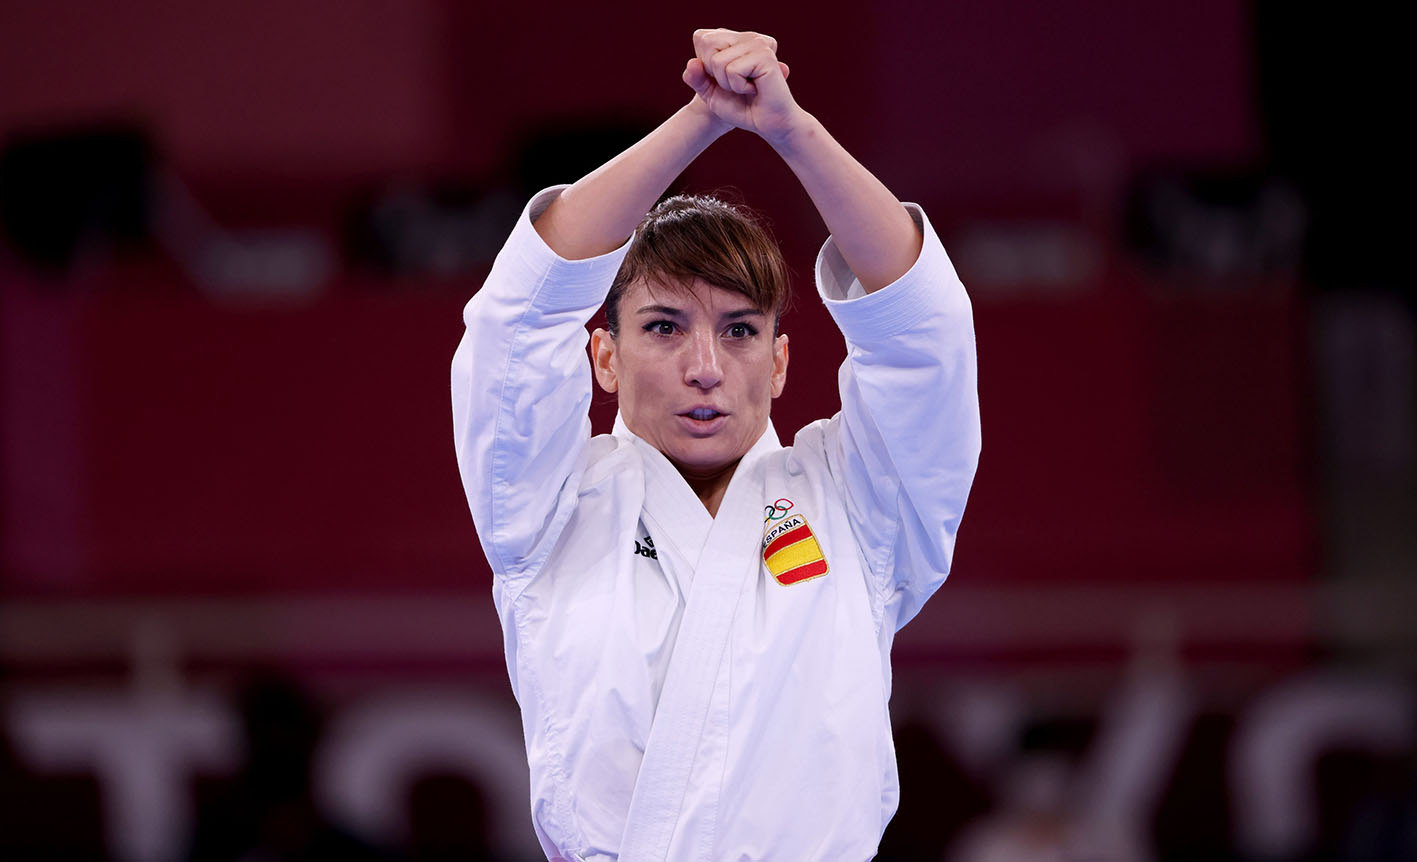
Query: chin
point(703, 460)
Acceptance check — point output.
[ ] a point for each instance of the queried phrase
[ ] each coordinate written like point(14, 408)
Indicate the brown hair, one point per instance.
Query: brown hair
point(689, 237)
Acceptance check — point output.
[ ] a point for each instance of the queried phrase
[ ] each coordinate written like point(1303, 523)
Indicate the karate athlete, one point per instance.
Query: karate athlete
point(697, 620)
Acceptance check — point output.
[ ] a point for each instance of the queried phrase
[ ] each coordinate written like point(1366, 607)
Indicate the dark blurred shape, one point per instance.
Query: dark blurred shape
point(1064, 737)
point(65, 192)
point(447, 820)
point(45, 817)
point(452, 227)
point(442, 229)
point(1192, 823)
point(1331, 85)
point(268, 811)
point(1042, 813)
point(1360, 794)
point(1215, 223)
point(938, 798)
point(1384, 825)
point(565, 151)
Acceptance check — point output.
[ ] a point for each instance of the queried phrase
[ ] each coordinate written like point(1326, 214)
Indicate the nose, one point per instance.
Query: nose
point(703, 369)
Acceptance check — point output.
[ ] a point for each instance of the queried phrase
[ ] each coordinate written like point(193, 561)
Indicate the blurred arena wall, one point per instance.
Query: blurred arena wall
point(236, 243)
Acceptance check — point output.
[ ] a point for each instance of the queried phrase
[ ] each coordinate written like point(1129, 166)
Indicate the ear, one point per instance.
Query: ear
point(779, 365)
point(602, 360)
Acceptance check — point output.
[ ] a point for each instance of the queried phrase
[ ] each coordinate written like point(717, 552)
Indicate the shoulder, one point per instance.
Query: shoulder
point(609, 463)
point(812, 447)
point(809, 462)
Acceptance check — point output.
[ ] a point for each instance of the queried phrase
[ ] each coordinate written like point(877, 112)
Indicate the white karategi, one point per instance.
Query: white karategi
point(678, 701)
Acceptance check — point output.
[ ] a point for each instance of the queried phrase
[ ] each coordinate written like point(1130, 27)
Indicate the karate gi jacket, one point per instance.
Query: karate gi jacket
point(701, 688)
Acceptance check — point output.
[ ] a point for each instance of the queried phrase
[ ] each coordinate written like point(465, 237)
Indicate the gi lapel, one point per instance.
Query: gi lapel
point(728, 557)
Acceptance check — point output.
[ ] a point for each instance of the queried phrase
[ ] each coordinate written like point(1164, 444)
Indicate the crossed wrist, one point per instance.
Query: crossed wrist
point(712, 125)
point(787, 140)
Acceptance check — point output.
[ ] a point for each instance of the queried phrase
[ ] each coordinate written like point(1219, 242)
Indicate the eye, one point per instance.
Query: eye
point(741, 330)
point(660, 327)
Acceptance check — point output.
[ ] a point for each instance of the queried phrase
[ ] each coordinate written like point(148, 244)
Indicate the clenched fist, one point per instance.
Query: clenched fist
point(738, 77)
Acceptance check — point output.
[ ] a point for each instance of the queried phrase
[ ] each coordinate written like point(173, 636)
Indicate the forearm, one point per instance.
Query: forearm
point(600, 210)
point(873, 232)
point(739, 78)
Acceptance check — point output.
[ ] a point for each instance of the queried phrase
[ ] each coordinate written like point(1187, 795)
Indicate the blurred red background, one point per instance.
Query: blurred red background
point(226, 439)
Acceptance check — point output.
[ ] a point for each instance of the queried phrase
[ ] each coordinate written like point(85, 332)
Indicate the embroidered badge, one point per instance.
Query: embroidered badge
point(790, 549)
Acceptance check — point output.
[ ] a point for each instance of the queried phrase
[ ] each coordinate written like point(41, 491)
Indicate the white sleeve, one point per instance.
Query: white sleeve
point(521, 392)
point(904, 448)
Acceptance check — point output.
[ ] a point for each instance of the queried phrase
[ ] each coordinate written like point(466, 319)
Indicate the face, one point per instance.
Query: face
point(696, 369)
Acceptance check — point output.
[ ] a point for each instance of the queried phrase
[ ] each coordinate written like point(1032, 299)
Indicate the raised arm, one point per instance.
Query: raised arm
point(738, 77)
point(603, 208)
point(520, 381)
point(905, 445)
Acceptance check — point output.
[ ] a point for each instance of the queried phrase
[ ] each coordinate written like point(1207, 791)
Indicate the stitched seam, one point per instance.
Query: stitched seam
point(884, 581)
point(561, 802)
point(497, 463)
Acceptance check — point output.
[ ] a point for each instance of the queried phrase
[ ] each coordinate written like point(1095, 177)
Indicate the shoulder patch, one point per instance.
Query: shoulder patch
point(791, 551)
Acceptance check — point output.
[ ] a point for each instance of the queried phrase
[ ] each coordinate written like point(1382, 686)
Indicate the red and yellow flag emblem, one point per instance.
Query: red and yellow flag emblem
point(791, 551)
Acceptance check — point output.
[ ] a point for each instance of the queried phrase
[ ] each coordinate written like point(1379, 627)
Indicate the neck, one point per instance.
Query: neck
point(709, 487)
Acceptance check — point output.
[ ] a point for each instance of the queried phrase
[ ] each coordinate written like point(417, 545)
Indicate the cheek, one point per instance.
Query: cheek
point(757, 374)
point(643, 382)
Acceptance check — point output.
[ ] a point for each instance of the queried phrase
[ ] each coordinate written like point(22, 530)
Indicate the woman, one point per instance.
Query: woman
point(698, 620)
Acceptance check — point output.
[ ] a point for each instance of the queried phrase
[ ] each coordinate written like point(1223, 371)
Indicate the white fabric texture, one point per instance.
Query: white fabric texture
point(688, 705)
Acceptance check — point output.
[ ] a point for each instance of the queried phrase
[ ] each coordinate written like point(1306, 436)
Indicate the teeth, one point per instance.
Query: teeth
point(703, 413)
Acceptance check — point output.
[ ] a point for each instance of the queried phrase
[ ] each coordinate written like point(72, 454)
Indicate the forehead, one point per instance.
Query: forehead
point(689, 297)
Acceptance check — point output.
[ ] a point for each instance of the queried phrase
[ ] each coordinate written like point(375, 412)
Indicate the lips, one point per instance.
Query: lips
point(703, 420)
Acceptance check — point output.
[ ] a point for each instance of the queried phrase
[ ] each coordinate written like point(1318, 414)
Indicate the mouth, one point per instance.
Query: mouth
point(703, 420)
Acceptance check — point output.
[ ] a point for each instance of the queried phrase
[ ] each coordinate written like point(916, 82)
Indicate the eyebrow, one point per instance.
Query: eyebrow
point(671, 311)
point(659, 309)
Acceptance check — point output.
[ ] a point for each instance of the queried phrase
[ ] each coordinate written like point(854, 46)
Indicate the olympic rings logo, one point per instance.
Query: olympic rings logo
point(777, 510)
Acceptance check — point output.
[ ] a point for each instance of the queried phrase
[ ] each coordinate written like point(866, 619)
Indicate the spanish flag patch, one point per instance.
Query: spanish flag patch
point(791, 551)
